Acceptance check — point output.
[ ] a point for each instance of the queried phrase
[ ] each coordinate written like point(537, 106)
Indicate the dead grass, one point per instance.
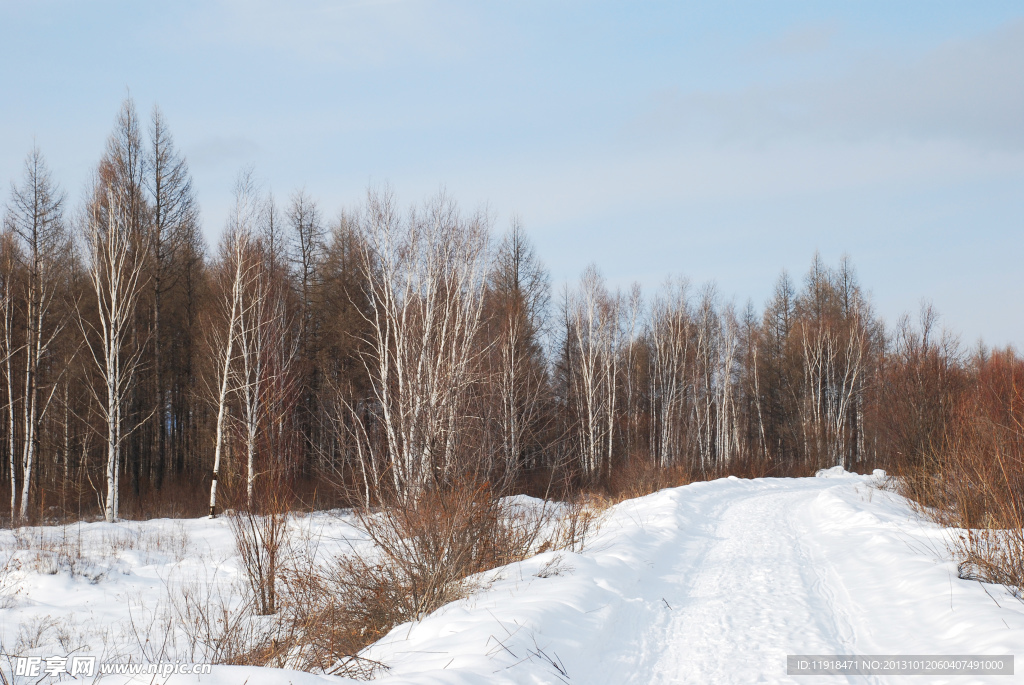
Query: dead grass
point(10, 581)
point(640, 477)
point(50, 552)
point(578, 522)
point(67, 549)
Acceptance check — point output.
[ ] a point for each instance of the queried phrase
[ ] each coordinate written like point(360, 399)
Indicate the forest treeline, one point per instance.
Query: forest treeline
point(389, 349)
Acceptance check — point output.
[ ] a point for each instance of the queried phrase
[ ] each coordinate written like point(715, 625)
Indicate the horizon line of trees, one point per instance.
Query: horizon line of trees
point(389, 350)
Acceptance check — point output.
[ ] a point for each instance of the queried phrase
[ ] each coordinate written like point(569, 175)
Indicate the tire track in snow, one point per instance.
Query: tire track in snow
point(666, 587)
point(751, 596)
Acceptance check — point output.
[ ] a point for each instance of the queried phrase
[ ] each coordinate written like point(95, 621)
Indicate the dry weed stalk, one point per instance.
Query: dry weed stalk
point(10, 582)
point(261, 540)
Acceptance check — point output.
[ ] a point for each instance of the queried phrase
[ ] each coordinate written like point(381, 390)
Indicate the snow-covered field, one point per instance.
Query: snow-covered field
point(713, 582)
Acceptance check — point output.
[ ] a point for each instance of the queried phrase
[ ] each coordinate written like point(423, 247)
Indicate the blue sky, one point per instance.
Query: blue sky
point(718, 140)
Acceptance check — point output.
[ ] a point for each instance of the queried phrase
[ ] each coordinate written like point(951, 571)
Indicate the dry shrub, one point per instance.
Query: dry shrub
point(261, 540)
point(217, 629)
point(334, 613)
point(972, 479)
point(440, 539)
point(992, 556)
point(578, 522)
point(913, 406)
point(641, 477)
point(203, 620)
point(987, 512)
point(424, 554)
point(983, 488)
point(419, 555)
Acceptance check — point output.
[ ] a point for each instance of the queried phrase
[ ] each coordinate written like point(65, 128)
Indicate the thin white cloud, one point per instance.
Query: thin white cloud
point(218, 151)
point(337, 32)
point(966, 90)
point(800, 41)
point(688, 174)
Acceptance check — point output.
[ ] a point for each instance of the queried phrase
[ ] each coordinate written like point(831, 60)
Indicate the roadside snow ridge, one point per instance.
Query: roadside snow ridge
point(717, 582)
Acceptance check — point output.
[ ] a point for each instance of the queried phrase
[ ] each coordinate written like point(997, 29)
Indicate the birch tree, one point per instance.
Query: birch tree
point(727, 442)
point(424, 276)
point(8, 262)
point(834, 329)
point(670, 336)
point(117, 276)
point(35, 216)
point(706, 350)
point(265, 360)
point(237, 269)
point(591, 330)
point(122, 172)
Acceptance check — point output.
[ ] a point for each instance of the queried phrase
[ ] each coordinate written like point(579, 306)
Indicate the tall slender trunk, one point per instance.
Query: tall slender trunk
point(113, 437)
point(157, 473)
point(225, 375)
point(8, 376)
point(34, 343)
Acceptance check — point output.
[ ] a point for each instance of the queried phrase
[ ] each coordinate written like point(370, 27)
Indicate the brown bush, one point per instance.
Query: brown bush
point(425, 553)
point(972, 477)
point(640, 477)
point(261, 540)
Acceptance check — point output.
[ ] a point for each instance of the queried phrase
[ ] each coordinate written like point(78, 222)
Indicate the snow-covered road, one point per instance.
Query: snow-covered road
point(747, 590)
point(713, 582)
point(716, 583)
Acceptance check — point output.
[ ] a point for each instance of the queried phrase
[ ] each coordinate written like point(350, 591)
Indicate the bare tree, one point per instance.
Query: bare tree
point(778, 384)
point(236, 247)
point(592, 329)
point(727, 442)
point(307, 240)
point(308, 236)
point(611, 351)
point(272, 233)
point(670, 337)
point(173, 213)
point(116, 272)
point(123, 172)
point(425, 277)
point(266, 357)
point(8, 262)
point(519, 293)
point(834, 337)
point(633, 325)
point(35, 215)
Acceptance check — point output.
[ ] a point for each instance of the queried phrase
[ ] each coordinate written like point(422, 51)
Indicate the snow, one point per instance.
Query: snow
point(713, 582)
